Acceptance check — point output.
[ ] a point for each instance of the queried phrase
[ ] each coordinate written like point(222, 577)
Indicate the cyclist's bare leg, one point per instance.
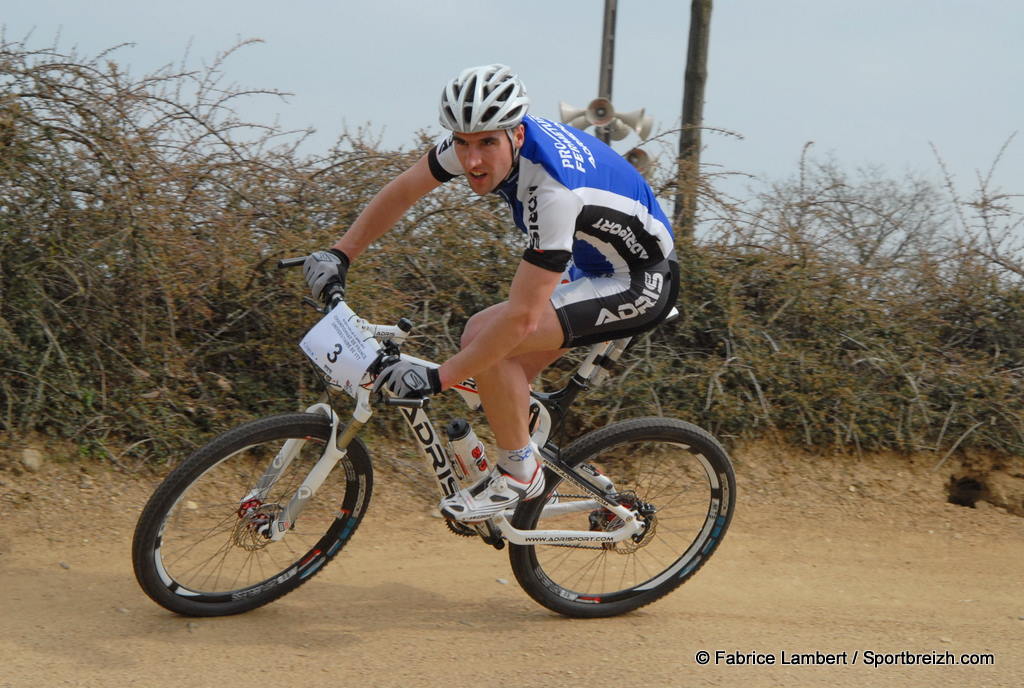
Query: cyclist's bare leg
point(503, 376)
point(534, 363)
point(505, 387)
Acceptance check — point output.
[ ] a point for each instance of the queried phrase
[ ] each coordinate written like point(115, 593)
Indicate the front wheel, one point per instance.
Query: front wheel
point(676, 475)
point(198, 549)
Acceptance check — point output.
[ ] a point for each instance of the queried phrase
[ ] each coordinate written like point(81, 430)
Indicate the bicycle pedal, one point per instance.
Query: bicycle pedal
point(493, 535)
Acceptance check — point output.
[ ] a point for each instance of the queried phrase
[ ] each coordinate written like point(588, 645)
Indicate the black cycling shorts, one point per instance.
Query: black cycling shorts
point(597, 309)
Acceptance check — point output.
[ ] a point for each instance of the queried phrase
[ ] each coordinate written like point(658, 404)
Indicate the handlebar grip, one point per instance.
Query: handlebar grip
point(408, 403)
point(291, 262)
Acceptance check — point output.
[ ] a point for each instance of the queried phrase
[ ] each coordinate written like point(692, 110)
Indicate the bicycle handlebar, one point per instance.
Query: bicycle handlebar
point(291, 262)
point(407, 403)
point(336, 294)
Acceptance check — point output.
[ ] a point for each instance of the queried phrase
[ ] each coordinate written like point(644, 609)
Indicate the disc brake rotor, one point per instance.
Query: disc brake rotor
point(253, 521)
point(604, 520)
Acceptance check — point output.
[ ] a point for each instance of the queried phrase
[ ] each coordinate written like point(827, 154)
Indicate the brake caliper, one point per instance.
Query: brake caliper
point(255, 518)
point(604, 520)
point(248, 507)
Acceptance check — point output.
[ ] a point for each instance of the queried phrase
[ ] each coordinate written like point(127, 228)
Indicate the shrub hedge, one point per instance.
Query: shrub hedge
point(140, 310)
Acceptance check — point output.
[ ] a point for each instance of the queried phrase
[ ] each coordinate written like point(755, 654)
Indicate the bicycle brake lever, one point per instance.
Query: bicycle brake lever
point(314, 305)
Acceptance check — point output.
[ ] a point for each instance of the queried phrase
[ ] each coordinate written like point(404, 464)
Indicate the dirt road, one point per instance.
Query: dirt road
point(828, 561)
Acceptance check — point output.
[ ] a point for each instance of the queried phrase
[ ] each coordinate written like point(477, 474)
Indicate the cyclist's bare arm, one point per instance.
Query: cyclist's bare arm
point(384, 210)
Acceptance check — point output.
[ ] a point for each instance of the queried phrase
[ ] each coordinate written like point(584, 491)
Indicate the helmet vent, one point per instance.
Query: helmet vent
point(483, 99)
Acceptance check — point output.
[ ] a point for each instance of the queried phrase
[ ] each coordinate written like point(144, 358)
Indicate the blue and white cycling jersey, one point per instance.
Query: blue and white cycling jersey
point(575, 197)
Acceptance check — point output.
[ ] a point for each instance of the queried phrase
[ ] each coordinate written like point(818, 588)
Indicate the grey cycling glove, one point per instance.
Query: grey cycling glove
point(324, 269)
point(408, 380)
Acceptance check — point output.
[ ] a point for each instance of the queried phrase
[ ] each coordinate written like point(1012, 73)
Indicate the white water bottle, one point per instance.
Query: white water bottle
point(469, 458)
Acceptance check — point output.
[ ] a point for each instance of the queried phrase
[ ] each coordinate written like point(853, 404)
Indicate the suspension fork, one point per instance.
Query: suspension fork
point(333, 452)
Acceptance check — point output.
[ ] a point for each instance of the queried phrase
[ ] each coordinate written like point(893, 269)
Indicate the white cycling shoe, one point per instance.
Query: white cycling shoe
point(492, 495)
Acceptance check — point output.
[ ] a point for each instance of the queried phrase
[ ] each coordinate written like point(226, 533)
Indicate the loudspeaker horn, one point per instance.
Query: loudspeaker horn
point(645, 126)
point(618, 130)
point(638, 122)
point(573, 116)
point(600, 112)
point(631, 118)
point(638, 158)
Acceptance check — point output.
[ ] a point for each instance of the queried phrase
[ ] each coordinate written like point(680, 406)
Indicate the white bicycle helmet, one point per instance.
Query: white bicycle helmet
point(484, 99)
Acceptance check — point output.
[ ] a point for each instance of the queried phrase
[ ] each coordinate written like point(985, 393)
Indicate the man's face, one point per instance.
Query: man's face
point(486, 156)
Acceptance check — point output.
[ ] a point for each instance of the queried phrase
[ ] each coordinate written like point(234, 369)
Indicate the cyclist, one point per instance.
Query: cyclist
point(599, 262)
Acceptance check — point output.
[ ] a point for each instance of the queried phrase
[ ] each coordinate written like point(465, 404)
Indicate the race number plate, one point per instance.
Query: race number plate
point(340, 348)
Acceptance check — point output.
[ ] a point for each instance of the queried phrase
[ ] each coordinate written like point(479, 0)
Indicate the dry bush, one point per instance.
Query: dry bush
point(139, 226)
point(849, 311)
point(140, 310)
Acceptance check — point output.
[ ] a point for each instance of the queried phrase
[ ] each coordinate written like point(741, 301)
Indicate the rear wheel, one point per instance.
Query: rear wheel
point(676, 475)
point(198, 549)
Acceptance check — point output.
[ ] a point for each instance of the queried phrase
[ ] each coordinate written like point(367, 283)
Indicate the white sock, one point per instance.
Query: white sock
point(521, 463)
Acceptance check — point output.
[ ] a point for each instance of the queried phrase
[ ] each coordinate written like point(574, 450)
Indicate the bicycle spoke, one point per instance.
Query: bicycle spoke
point(212, 553)
point(670, 487)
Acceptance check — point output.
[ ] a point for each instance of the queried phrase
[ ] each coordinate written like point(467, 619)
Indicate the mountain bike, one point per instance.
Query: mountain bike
point(630, 511)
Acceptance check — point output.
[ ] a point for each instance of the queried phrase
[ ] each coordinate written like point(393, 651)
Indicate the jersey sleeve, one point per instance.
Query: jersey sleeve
point(553, 261)
point(444, 164)
point(549, 215)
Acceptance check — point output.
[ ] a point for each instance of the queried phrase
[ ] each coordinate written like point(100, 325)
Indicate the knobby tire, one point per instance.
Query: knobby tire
point(674, 466)
point(194, 554)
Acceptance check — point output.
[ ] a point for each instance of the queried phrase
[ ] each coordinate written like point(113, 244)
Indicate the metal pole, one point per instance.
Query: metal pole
point(693, 118)
point(604, 88)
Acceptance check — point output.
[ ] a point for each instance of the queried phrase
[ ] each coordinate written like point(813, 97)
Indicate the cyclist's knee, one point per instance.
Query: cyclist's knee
point(470, 332)
point(476, 323)
point(548, 336)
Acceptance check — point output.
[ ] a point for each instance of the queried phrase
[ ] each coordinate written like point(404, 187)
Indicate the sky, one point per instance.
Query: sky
point(873, 83)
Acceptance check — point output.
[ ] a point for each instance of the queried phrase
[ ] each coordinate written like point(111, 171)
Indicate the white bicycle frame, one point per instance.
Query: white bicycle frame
point(591, 371)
